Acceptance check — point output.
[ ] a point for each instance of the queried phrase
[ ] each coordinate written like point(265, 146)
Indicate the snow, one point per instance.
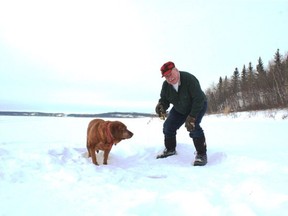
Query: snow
point(44, 169)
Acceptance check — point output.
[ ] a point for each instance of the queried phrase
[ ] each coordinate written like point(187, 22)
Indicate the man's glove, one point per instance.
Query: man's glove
point(160, 111)
point(190, 123)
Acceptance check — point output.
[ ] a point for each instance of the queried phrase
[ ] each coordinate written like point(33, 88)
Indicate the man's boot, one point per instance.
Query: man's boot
point(201, 156)
point(170, 144)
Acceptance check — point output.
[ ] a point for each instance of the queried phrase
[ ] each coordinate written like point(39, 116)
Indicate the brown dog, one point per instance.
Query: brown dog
point(101, 135)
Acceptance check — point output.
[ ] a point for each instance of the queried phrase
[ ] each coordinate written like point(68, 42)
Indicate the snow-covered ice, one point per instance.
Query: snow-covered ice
point(44, 169)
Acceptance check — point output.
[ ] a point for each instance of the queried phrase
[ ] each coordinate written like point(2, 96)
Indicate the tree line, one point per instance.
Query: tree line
point(252, 88)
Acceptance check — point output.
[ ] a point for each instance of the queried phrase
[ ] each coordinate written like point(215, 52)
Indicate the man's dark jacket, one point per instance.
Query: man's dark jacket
point(188, 100)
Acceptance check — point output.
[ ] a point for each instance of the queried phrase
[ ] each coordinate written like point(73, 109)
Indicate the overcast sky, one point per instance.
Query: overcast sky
point(92, 56)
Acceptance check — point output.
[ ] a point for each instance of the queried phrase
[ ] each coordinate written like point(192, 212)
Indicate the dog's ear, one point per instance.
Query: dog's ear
point(117, 129)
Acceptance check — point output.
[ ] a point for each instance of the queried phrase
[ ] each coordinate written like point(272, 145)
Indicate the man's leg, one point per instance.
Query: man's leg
point(199, 140)
point(170, 127)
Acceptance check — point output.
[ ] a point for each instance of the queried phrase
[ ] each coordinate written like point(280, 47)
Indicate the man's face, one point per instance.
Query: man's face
point(173, 77)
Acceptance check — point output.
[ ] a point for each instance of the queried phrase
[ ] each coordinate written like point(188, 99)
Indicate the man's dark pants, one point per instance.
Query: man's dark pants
point(175, 120)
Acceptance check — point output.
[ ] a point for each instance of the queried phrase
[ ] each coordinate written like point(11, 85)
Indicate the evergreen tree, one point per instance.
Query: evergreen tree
point(251, 87)
point(235, 81)
point(260, 67)
point(244, 86)
point(285, 68)
point(277, 72)
point(221, 94)
point(262, 84)
point(244, 79)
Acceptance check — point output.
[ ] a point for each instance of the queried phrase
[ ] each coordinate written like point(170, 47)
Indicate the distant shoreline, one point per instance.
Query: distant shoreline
point(101, 115)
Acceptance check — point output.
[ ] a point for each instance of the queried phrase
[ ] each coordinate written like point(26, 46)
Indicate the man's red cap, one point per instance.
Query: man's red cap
point(167, 68)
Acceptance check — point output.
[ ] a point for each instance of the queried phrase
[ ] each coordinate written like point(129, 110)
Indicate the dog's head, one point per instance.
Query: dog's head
point(120, 131)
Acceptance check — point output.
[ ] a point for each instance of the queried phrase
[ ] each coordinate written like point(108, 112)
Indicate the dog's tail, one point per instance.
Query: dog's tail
point(89, 154)
point(88, 151)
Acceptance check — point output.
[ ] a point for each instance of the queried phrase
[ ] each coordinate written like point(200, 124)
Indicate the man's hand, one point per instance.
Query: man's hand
point(160, 111)
point(190, 123)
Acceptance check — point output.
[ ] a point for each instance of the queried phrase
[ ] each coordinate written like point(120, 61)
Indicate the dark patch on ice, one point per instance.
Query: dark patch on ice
point(157, 176)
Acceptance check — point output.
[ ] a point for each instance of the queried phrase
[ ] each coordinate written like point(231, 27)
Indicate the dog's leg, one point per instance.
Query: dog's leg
point(106, 153)
point(93, 155)
point(89, 154)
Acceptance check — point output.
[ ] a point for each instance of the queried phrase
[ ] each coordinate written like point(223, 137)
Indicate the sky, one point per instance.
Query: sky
point(102, 56)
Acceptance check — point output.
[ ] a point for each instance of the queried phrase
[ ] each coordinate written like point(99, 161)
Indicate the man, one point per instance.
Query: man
point(183, 90)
